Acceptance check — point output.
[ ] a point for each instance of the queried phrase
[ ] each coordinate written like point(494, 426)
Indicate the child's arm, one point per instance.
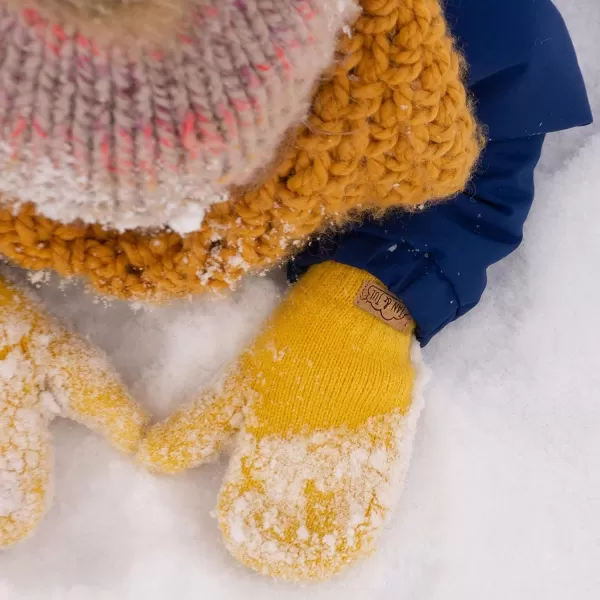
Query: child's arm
point(436, 260)
point(522, 63)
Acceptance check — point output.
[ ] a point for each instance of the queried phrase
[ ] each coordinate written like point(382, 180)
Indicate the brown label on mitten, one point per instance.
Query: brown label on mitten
point(383, 305)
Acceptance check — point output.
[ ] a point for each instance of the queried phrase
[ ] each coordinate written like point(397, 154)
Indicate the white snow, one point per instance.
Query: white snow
point(57, 189)
point(503, 494)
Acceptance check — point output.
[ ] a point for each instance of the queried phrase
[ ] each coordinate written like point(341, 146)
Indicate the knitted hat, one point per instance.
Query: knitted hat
point(141, 113)
point(388, 126)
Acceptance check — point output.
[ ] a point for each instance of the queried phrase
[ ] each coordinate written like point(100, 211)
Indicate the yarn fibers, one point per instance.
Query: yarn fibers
point(389, 126)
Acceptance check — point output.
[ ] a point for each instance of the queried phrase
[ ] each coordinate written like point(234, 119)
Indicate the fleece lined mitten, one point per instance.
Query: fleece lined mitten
point(323, 398)
point(47, 371)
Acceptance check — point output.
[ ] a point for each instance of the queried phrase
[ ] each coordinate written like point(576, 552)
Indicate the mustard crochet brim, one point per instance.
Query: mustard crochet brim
point(390, 127)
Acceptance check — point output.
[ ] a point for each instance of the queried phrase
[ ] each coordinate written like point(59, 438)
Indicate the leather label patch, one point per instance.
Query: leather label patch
point(383, 305)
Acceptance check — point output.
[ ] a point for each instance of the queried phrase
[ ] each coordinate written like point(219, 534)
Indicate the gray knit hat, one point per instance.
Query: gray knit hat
point(141, 113)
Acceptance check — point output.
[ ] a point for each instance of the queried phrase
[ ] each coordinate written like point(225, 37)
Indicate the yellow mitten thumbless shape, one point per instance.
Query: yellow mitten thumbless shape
point(47, 371)
point(325, 397)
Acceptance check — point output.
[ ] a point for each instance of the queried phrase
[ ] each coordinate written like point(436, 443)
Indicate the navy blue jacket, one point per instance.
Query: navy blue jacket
point(526, 82)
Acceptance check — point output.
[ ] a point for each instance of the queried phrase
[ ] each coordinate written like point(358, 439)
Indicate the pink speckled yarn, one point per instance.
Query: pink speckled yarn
point(150, 135)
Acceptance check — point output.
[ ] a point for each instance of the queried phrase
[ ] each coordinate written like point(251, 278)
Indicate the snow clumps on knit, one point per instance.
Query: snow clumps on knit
point(151, 133)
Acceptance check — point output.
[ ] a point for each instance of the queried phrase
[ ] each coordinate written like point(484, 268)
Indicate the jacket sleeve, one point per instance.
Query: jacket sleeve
point(522, 67)
point(435, 260)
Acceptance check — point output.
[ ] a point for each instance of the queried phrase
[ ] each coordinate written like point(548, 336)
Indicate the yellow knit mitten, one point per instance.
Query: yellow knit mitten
point(325, 392)
point(46, 371)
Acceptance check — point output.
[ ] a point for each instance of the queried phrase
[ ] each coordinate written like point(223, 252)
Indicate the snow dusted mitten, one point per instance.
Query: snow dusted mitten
point(46, 371)
point(326, 392)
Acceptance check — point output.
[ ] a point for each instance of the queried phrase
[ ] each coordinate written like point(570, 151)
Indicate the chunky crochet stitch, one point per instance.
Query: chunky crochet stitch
point(390, 126)
point(128, 132)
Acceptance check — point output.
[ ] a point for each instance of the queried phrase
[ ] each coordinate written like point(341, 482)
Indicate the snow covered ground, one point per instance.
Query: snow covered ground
point(503, 495)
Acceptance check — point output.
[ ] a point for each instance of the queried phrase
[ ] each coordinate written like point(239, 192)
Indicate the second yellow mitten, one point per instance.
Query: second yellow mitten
point(48, 371)
point(326, 391)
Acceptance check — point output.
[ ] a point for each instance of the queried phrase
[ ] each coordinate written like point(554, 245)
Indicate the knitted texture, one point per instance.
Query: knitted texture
point(323, 399)
point(109, 21)
point(144, 133)
point(390, 126)
point(47, 371)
